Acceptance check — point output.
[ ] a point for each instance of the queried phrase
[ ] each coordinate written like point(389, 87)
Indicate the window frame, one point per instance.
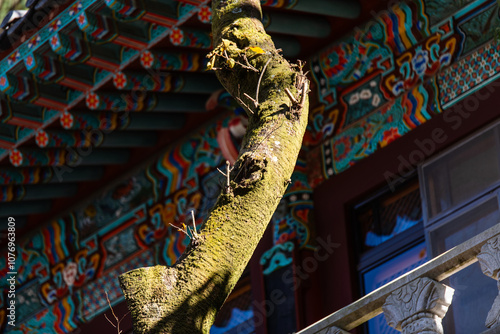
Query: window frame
point(387, 250)
point(421, 176)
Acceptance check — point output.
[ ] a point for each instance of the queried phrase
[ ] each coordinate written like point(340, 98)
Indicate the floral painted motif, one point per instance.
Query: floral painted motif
point(16, 157)
point(66, 120)
point(82, 21)
point(120, 80)
point(176, 36)
point(92, 100)
point(336, 61)
point(55, 43)
point(205, 14)
point(389, 136)
point(419, 62)
point(34, 41)
point(41, 138)
point(74, 9)
point(30, 60)
point(69, 273)
point(55, 26)
point(147, 59)
point(3, 82)
point(342, 147)
point(13, 58)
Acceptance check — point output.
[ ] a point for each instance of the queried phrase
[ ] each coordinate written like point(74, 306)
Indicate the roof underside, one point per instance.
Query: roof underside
point(89, 89)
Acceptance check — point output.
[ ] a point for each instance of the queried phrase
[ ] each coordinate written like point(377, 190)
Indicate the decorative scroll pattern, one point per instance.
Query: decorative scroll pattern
point(67, 262)
point(489, 259)
point(372, 133)
point(397, 72)
point(293, 216)
point(418, 307)
point(277, 257)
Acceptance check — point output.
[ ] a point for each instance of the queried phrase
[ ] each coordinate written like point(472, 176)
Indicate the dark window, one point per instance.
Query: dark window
point(461, 190)
point(388, 215)
point(461, 173)
point(390, 239)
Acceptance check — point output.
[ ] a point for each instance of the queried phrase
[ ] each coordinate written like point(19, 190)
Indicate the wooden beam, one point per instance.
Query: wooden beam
point(164, 12)
point(37, 175)
point(17, 193)
point(290, 23)
point(18, 209)
point(102, 26)
point(146, 101)
point(11, 134)
point(160, 81)
point(290, 45)
point(23, 89)
point(74, 47)
point(45, 69)
point(296, 24)
point(77, 174)
point(130, 139)
point(157, 121)
point(18, 87)
point(110, 120)
point(178, 61)
point(95, 138)
point(337, 8)
point(25, 115)
point(49, 68)
point(93, 120)
point(68, 157)
point(192, 38)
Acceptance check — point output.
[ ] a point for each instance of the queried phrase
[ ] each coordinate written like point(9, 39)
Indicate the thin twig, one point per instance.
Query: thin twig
point(247, 108)
point(292, 98)
point(117, 326)
point(249, 66)
point(258, 83)
point(194, 224)
point(305, 90)
point(179, 229)
point(255, 103)
point(227, 174)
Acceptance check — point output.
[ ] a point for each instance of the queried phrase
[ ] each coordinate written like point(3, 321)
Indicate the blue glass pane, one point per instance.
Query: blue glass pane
point(388, 271)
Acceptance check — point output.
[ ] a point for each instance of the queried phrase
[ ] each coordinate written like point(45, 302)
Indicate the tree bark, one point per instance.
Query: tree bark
point(185, 298)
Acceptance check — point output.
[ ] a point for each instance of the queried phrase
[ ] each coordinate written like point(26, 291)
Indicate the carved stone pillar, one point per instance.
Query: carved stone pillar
point(418, 307)
point(489, 259)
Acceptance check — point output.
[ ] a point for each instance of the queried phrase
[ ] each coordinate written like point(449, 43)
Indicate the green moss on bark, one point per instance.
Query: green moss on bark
point(185, 298)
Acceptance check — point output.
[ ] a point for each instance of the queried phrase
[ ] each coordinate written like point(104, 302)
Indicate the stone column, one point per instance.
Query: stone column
point(335, 330)
point(418, 307)
point(489, 259)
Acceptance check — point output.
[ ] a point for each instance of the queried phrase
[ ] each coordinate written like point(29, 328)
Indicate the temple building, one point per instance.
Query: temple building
point(112, 132)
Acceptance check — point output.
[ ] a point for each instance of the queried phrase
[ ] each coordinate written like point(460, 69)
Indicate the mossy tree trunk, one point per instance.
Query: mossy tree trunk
point(185, 298)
